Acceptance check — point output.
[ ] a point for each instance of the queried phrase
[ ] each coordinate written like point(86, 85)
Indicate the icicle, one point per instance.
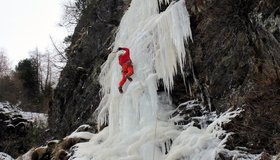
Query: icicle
point(157, 43)
point(164, 1)
point(138, 125)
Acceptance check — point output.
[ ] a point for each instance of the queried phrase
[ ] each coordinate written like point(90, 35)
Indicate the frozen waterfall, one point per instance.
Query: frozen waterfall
point(138, 121)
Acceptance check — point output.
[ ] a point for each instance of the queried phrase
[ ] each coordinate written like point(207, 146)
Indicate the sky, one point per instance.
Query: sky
point(27, 24)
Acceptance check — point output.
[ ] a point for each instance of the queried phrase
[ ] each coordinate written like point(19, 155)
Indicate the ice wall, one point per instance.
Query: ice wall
point(157, 44)
point(138, 124)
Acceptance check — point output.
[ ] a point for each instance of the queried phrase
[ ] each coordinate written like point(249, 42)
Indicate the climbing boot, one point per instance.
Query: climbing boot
point(120, 90)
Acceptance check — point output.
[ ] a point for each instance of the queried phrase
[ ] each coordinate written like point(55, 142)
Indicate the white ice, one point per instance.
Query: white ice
point(138, 120)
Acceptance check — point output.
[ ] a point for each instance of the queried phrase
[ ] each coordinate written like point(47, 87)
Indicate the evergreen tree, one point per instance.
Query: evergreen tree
point(27, 71)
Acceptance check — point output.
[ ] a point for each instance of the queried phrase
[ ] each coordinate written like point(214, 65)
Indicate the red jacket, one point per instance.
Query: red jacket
point(125, 58)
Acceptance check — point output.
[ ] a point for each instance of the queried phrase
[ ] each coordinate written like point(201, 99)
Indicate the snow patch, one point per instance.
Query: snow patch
point(38, 119)
point(4, 156)
point(82, 135)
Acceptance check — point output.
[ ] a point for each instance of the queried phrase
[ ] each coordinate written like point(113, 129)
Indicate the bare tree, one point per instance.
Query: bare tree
point(56, 62)
point(57, 59)
point(71, 15)
point(72, 12)
point(49, 65)
point(60, 55)
point(4, 64)
point(46, 71)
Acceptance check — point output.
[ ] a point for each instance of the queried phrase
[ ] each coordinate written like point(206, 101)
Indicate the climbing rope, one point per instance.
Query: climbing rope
point(155, 134)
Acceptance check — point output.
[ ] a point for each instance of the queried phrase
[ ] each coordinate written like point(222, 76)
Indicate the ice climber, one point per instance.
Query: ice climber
point(127, 68)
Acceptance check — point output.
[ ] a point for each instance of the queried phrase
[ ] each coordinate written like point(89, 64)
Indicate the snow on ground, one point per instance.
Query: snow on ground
point(4, 156)
point(81, 132)
point(83, 135)
point(38, 119)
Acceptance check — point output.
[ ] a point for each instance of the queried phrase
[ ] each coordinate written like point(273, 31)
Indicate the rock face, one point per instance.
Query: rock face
point(18, 133)
point(58, 149)
point(77, 94)
point(233, 61)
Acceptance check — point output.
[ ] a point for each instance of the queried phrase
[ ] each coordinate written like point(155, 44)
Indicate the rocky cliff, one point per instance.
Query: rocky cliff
point(233, 61)
point(19, 130)
point(236, 58)
point(77, 93)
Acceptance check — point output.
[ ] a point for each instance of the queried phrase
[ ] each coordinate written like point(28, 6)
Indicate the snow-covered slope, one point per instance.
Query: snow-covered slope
point(38, 119)
point(4, 156)
point(139, 124)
